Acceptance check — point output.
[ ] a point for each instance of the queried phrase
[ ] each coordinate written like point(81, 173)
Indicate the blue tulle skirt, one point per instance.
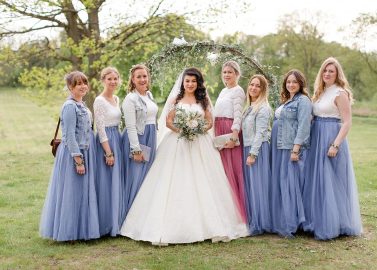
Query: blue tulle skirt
point(257, 186)
point(331, 200)
point(110, 185)
point(287, 210)
point(70, 211)
point(135, 172)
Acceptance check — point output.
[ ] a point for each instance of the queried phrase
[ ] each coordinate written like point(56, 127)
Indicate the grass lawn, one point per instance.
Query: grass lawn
point(25, 167)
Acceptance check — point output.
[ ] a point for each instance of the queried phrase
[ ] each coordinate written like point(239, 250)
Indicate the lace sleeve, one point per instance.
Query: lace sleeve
point(99, 117)
point(238, 103)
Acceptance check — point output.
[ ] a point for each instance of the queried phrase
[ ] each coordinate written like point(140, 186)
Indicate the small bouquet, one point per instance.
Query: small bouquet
point(190, 124)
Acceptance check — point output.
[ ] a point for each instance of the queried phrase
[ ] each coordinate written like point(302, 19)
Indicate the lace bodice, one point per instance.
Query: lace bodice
point(105, 115)
point(325, 106)
point(191, 107)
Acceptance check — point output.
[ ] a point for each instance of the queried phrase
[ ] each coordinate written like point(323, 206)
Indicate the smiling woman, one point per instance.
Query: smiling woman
point(70, 210)
point(139, 137)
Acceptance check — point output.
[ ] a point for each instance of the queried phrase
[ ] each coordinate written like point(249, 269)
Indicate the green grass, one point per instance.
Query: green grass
point(25, 167)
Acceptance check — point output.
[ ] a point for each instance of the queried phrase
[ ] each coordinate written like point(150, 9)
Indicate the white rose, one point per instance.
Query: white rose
point(192, 124)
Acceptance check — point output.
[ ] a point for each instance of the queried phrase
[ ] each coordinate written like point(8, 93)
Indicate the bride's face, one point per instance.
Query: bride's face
point(190, 84)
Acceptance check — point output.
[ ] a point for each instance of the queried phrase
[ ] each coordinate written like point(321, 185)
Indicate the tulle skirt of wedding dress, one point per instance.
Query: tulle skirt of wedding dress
point(185, 197)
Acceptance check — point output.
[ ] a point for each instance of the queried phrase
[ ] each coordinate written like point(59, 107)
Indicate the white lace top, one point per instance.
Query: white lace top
point(152, 109)
point(230, 104)
point(105, 115)
point(325, 106)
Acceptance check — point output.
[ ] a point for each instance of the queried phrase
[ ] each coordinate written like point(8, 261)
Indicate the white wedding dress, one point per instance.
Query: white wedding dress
point(185, 196)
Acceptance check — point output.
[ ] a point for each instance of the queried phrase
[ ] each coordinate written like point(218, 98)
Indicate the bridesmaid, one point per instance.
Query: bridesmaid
point(256, 155)
point(70, 210)
point(109, 181)
point(331, 200)
point(289, 144)
point(139, 136)
point(228, 116)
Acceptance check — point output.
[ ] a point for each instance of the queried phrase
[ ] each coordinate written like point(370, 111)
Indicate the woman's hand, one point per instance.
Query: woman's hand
point(250, 160)
point(333, 151)
point(80, 166)
point(138, 157)
point(295, 156)
point(109, 159)
point(230, 144)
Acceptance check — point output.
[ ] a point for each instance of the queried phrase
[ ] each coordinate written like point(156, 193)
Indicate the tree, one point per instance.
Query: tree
point(82, 43)
point(364, 30)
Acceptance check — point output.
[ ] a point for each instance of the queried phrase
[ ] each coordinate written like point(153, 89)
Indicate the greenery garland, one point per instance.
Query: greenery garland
point(209, 56)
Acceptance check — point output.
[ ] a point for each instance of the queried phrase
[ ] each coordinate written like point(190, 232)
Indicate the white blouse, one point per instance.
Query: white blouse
point(325, 106)
point(230, 104)
point(106, 115)
point(152, 109)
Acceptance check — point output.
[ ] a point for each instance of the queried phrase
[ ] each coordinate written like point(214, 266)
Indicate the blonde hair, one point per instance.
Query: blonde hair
point(107, 70)
point(235, 66)
point(263, 96)
point(131, 85)
point(284, 93)
point(341, 80)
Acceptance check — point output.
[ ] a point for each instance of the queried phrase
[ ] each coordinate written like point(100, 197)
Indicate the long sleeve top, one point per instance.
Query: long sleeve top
point(106, 115)
point(230, 104)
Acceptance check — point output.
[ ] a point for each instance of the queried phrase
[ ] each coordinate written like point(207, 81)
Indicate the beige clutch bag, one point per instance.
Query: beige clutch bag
point(220, 141)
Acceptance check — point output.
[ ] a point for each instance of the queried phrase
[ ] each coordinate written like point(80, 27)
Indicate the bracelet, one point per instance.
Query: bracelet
point(109, 155)
point(295, 152)
point(79, 164)
point(335, 146)
point(252, 155)
point(136, 152)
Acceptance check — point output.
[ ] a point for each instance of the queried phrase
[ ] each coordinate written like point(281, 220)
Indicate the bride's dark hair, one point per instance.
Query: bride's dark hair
point(200, 92)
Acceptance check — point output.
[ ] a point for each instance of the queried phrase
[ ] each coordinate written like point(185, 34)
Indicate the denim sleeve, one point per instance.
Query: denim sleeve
point(69, 128)
point(304, 116)
point(129, 112)
point(262, 122)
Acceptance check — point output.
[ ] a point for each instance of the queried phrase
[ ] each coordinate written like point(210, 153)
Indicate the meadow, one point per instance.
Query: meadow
point(25, 166)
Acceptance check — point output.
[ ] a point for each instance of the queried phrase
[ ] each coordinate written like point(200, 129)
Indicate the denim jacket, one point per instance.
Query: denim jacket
point(256, 127)
point(294, 123)
point(135, 114)
point(76, 126)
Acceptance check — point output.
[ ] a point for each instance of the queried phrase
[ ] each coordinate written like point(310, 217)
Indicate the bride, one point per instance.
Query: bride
point(186, 196)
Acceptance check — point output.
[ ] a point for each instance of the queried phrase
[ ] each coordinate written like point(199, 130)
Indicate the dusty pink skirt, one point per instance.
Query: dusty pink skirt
point(232, 162)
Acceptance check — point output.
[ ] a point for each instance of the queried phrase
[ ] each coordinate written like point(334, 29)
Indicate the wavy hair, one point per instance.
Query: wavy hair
point(341, 80)
point(131, 86)
point(284, 93)
point(263, 96)
point(200, 92)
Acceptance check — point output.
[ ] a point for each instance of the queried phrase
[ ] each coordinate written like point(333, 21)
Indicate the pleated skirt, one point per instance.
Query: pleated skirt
point(70, 210)
point(330, 193)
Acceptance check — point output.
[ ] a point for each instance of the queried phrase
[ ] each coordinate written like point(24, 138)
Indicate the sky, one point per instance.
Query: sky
point(263, 17)
point(254, 17)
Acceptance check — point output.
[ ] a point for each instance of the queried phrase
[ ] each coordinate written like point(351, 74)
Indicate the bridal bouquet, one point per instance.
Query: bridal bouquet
point(190, 124)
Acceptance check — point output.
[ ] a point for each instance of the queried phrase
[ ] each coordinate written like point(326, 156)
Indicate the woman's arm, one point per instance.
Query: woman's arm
point(69, 118)
point(344, 107)
point(170, 119)
point(99, 117)
point(209, 119)
point(304, 117)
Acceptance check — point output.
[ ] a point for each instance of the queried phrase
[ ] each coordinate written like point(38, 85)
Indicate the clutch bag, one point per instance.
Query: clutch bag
point(220, 141)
